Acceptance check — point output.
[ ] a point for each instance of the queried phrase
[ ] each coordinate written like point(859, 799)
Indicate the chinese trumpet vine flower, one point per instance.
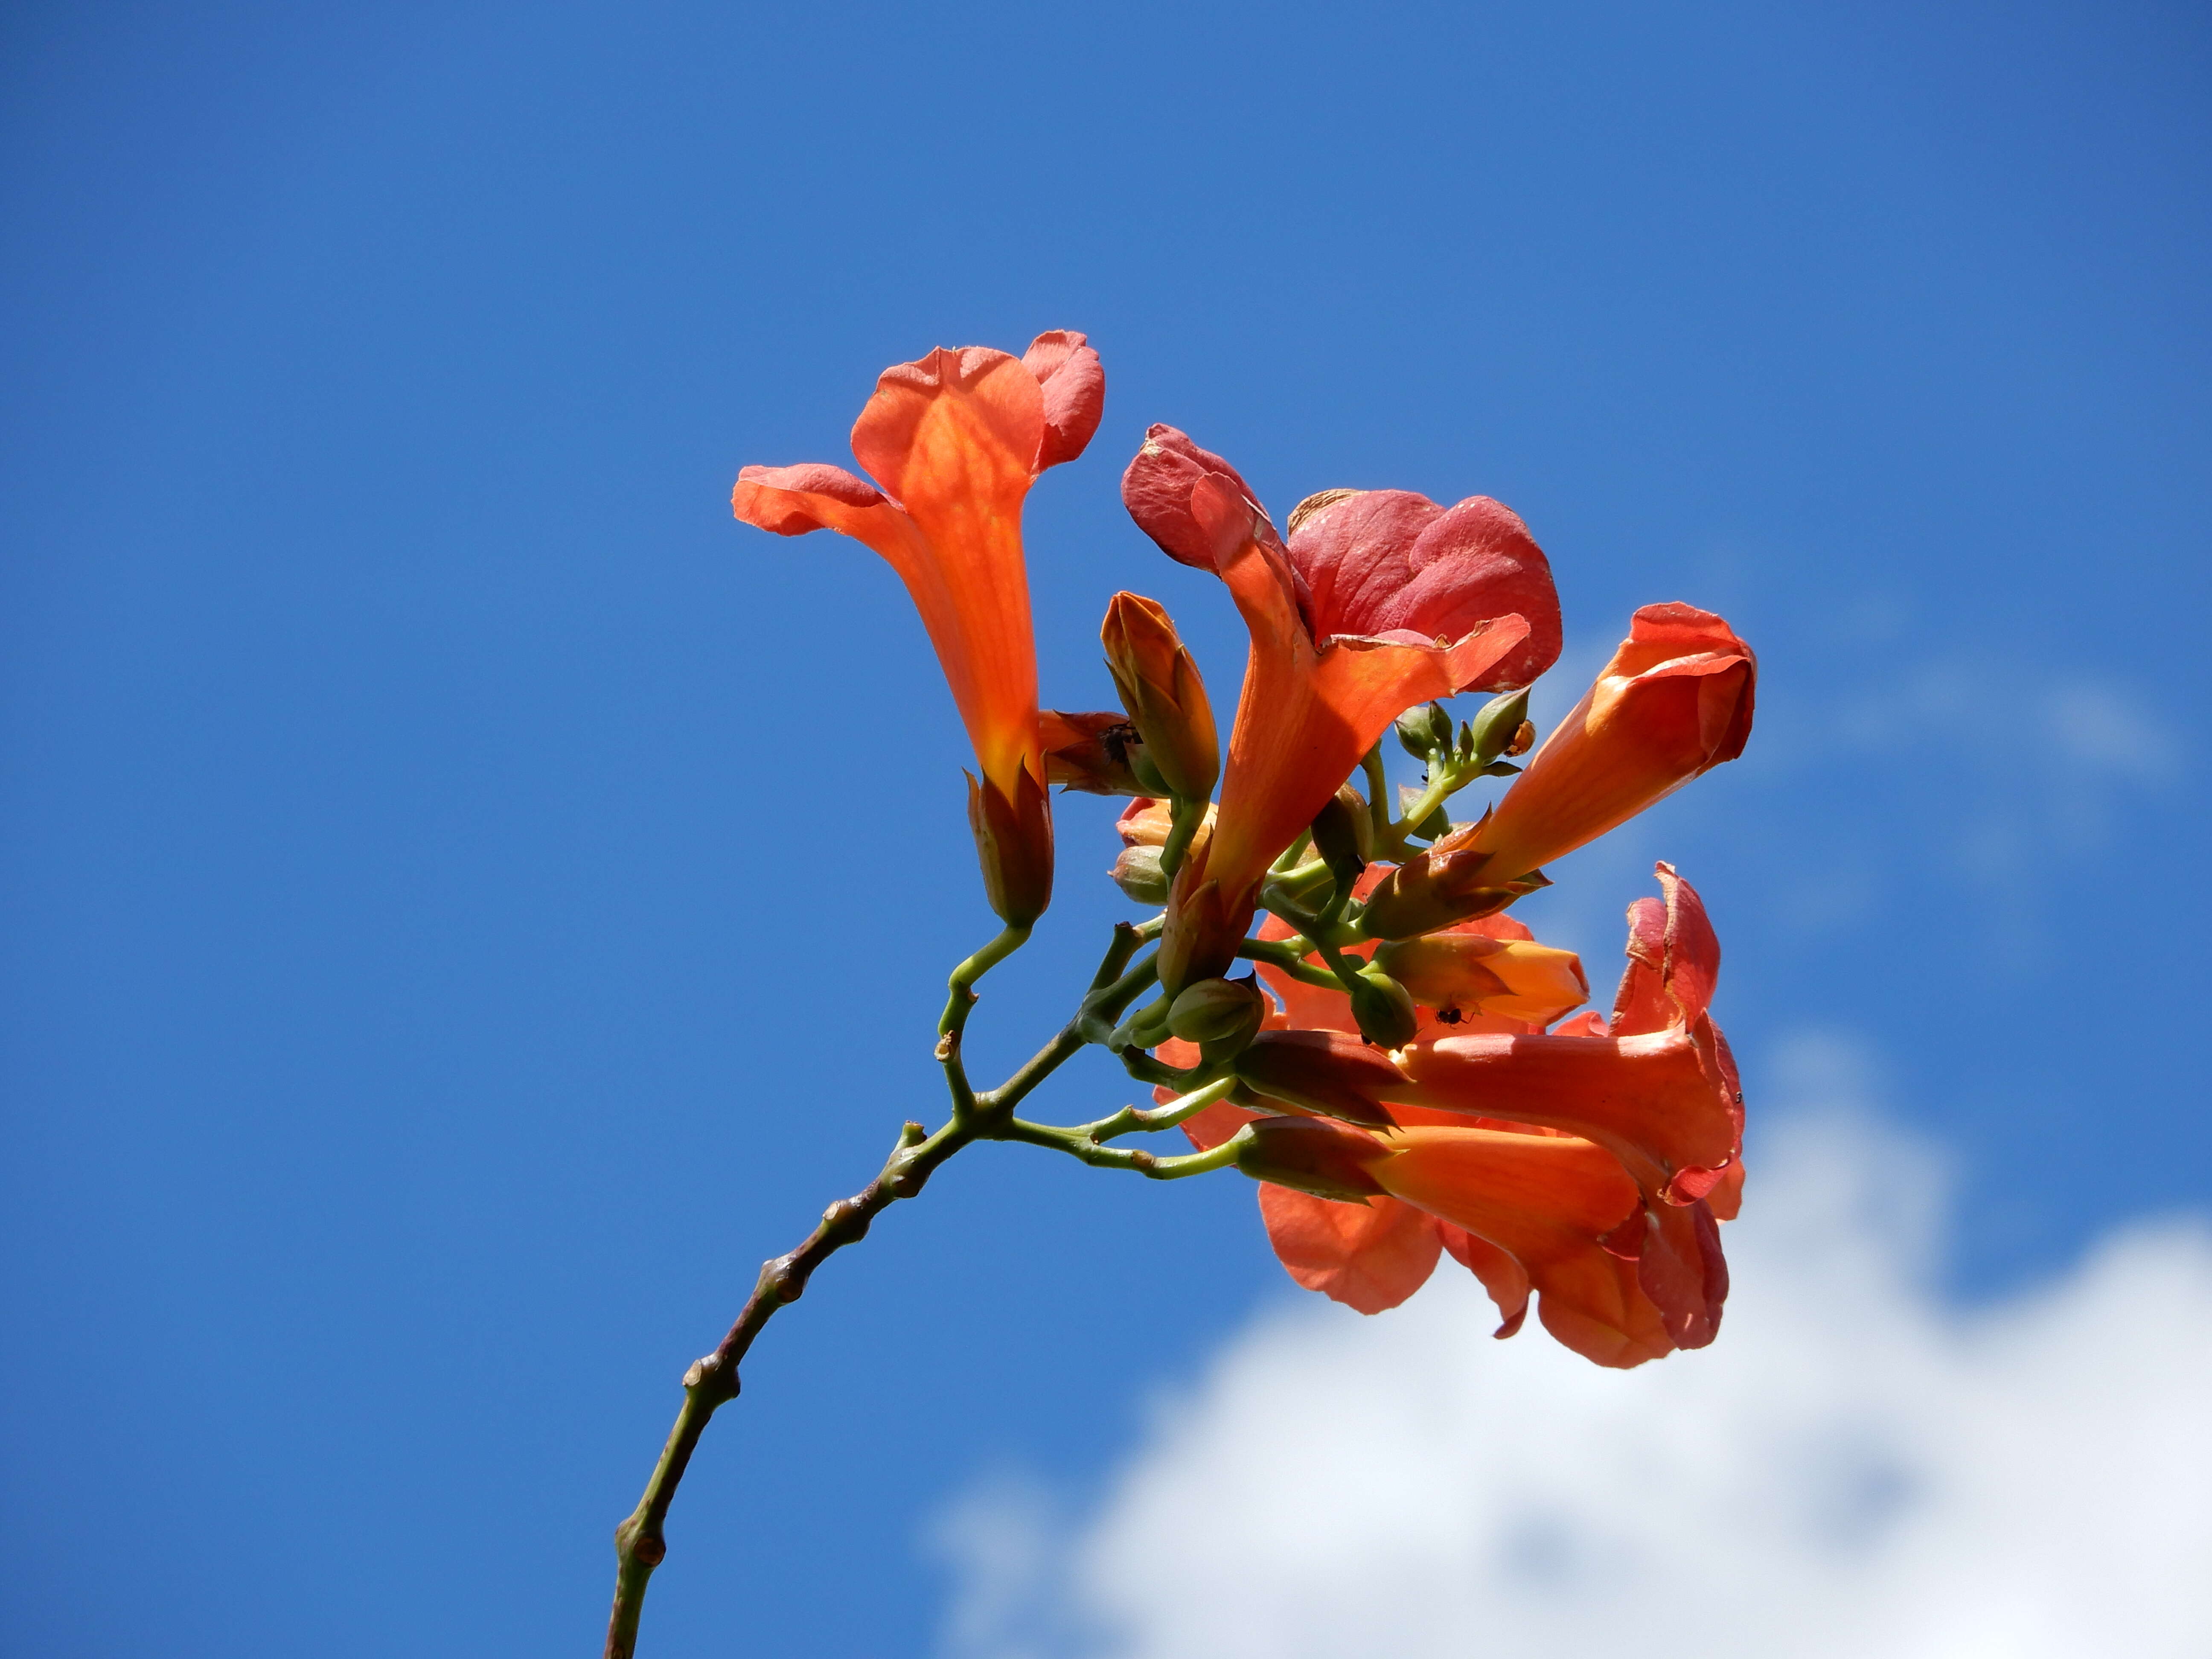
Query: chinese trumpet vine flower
point(1510, 978)
point(954, 441)
point(1674, 702)
point(1381, 600)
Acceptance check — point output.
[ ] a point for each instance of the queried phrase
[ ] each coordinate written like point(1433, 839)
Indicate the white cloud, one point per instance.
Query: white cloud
point(2038, 766)
point(1857, 1467)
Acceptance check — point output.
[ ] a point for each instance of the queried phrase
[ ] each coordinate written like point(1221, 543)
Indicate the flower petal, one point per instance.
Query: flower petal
point(952, 437)
point(1506, 1280)
point(1074, 382)
point(1652, 1101)
point(1368, 1257)
point(1549, 1202)
point(953, 429)
point(1683, 1272)
point(1158, 491)
point(1674, 702)
point(1088, 750)
point(790, 500)
point(1378, 560)
point(1673, 960)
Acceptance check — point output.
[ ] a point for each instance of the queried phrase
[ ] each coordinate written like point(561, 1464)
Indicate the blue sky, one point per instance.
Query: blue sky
point(464, 901)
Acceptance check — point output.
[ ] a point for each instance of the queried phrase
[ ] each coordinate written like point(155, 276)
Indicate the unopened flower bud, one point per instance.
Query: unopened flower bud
point(1496, 730)
point(1343, 834)
point(1137, 873)
point(1468, 973)
point(1217, 1011)
point(1160, 687)
point(1312, 1155)
point(1424, 730)
point(1383, 1008)
point(1144, 822)
point(1436, 826)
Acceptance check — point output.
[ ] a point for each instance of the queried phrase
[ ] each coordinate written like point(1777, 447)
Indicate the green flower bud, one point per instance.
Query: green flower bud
point(1218, 1011)
point(1137, 873)
point(1383, 1008)
point(1424, 730)
point(1495, 729)
point(1344, 835)
point(1436, 826)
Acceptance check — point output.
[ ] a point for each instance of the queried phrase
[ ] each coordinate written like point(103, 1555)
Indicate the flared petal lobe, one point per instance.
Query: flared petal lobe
point(1553, 1214)
point(1551, 1204)
point(1074, 382)
point(1368, 1257)
point(953, 439)
point(1385, 562)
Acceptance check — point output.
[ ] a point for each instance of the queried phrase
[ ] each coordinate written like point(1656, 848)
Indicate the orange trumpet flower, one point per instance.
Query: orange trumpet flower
point(1382, 600)
point(1674, 702)
point(955, 440)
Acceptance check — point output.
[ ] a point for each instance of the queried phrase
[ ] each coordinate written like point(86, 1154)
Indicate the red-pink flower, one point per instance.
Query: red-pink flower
point(1382, 600)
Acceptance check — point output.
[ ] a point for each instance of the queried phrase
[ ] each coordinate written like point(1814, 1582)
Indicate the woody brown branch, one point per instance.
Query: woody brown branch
point(712, 1381)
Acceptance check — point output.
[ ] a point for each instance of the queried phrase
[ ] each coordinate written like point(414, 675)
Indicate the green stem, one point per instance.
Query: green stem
point(1010, 939)
point(1079, 1145)
point(1287, 955)
point(1146, 1069)
point(1184, 818)
point(1378, 791)
point(1131, 1119)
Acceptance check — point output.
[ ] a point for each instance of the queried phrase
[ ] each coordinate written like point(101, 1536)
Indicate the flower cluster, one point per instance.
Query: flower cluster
point(1402, 1067)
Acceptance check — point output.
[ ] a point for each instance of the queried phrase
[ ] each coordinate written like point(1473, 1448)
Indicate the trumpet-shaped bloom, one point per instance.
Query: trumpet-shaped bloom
point(1382, 600)
point(1656, 1088)
point(1617, 1231)
point(1674, 702)
point(955, 440)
